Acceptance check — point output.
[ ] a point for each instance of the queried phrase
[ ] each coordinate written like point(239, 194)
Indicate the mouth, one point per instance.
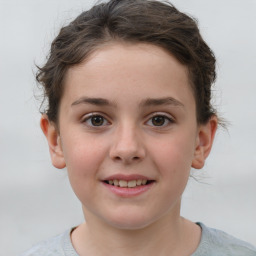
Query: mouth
point(128, 186)
point(128, 183)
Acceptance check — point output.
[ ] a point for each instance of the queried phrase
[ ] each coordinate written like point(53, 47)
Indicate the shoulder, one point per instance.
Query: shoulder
point(57, 246)
point(216, 242)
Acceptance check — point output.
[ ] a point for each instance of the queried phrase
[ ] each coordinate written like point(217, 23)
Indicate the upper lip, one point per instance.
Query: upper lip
point(127, 177)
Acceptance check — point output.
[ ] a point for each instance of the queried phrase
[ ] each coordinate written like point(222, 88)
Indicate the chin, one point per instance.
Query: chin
point(130, 221)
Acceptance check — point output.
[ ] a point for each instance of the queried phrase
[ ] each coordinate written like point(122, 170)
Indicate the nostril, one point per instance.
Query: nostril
point(127, 159)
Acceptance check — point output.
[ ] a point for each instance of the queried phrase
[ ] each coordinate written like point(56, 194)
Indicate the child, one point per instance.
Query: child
point(128, 86)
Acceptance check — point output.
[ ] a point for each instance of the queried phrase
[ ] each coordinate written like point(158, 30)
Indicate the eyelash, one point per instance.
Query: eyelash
point(89, 119)
point(167, 120)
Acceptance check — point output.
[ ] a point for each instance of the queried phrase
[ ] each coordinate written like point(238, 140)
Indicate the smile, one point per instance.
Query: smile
point(128, 184)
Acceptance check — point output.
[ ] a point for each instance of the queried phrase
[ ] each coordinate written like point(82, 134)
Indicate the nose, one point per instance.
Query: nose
point(127, 146)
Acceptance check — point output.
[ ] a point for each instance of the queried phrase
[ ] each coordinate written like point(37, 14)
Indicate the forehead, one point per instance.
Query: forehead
point(119, 70)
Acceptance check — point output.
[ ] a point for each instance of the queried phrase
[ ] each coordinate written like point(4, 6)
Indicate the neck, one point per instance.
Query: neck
point(166, 236)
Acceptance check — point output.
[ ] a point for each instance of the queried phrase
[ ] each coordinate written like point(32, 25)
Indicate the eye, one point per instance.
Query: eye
point(160, 121)
point(95, 120)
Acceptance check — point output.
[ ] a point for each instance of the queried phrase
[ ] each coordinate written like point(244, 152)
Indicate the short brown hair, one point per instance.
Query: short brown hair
point(134, 21)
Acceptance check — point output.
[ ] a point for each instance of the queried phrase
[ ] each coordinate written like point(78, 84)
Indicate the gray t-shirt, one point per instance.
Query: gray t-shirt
point(213, 243)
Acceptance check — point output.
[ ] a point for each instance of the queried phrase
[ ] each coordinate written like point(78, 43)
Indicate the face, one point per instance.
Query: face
point(128, 134)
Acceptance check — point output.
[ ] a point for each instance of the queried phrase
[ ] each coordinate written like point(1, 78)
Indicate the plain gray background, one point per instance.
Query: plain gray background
point(36, 200)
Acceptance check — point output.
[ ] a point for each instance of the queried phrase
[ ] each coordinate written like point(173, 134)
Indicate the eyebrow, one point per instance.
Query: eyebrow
point(93, 101)
point(145, 103)
point(161, 101)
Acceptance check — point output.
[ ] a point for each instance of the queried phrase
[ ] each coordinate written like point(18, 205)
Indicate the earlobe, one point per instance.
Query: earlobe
point(204, 142)
point(54, 142)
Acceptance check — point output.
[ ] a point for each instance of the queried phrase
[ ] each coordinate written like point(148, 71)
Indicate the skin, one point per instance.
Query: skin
point(130, 79)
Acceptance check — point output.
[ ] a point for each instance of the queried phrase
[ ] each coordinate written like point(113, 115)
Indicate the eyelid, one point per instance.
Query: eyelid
point(86, 117)
point(164, 114)
point(169, 117)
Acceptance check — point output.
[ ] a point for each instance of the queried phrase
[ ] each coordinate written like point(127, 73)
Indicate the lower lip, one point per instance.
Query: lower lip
point(128, 192)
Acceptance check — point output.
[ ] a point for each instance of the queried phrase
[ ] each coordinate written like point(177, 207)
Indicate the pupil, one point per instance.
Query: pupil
point(97, 120)
point(158, 120)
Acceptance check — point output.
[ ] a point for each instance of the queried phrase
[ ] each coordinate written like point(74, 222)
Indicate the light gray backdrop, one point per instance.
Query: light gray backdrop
point(36, 201)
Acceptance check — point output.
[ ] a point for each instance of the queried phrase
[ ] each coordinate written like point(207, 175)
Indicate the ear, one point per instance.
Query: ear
point(54, 142)
point(206, 133)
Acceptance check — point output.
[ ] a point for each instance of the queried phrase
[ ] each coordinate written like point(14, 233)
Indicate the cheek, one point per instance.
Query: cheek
point(173, 156)
point(83, 156)
point(175, 151)
point(173, 163)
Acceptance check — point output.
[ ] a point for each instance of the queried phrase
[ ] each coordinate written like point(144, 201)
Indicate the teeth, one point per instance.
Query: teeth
point(131, 183)
point(122, 183)
point(127, 184)
point(144, 182)
point(138, 182)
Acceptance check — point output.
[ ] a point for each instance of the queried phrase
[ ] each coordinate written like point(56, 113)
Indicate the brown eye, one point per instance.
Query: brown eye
point(97, 120)
point(158, 120)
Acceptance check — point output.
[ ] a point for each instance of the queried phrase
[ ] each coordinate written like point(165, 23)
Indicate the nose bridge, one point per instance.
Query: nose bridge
point(127, 145)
